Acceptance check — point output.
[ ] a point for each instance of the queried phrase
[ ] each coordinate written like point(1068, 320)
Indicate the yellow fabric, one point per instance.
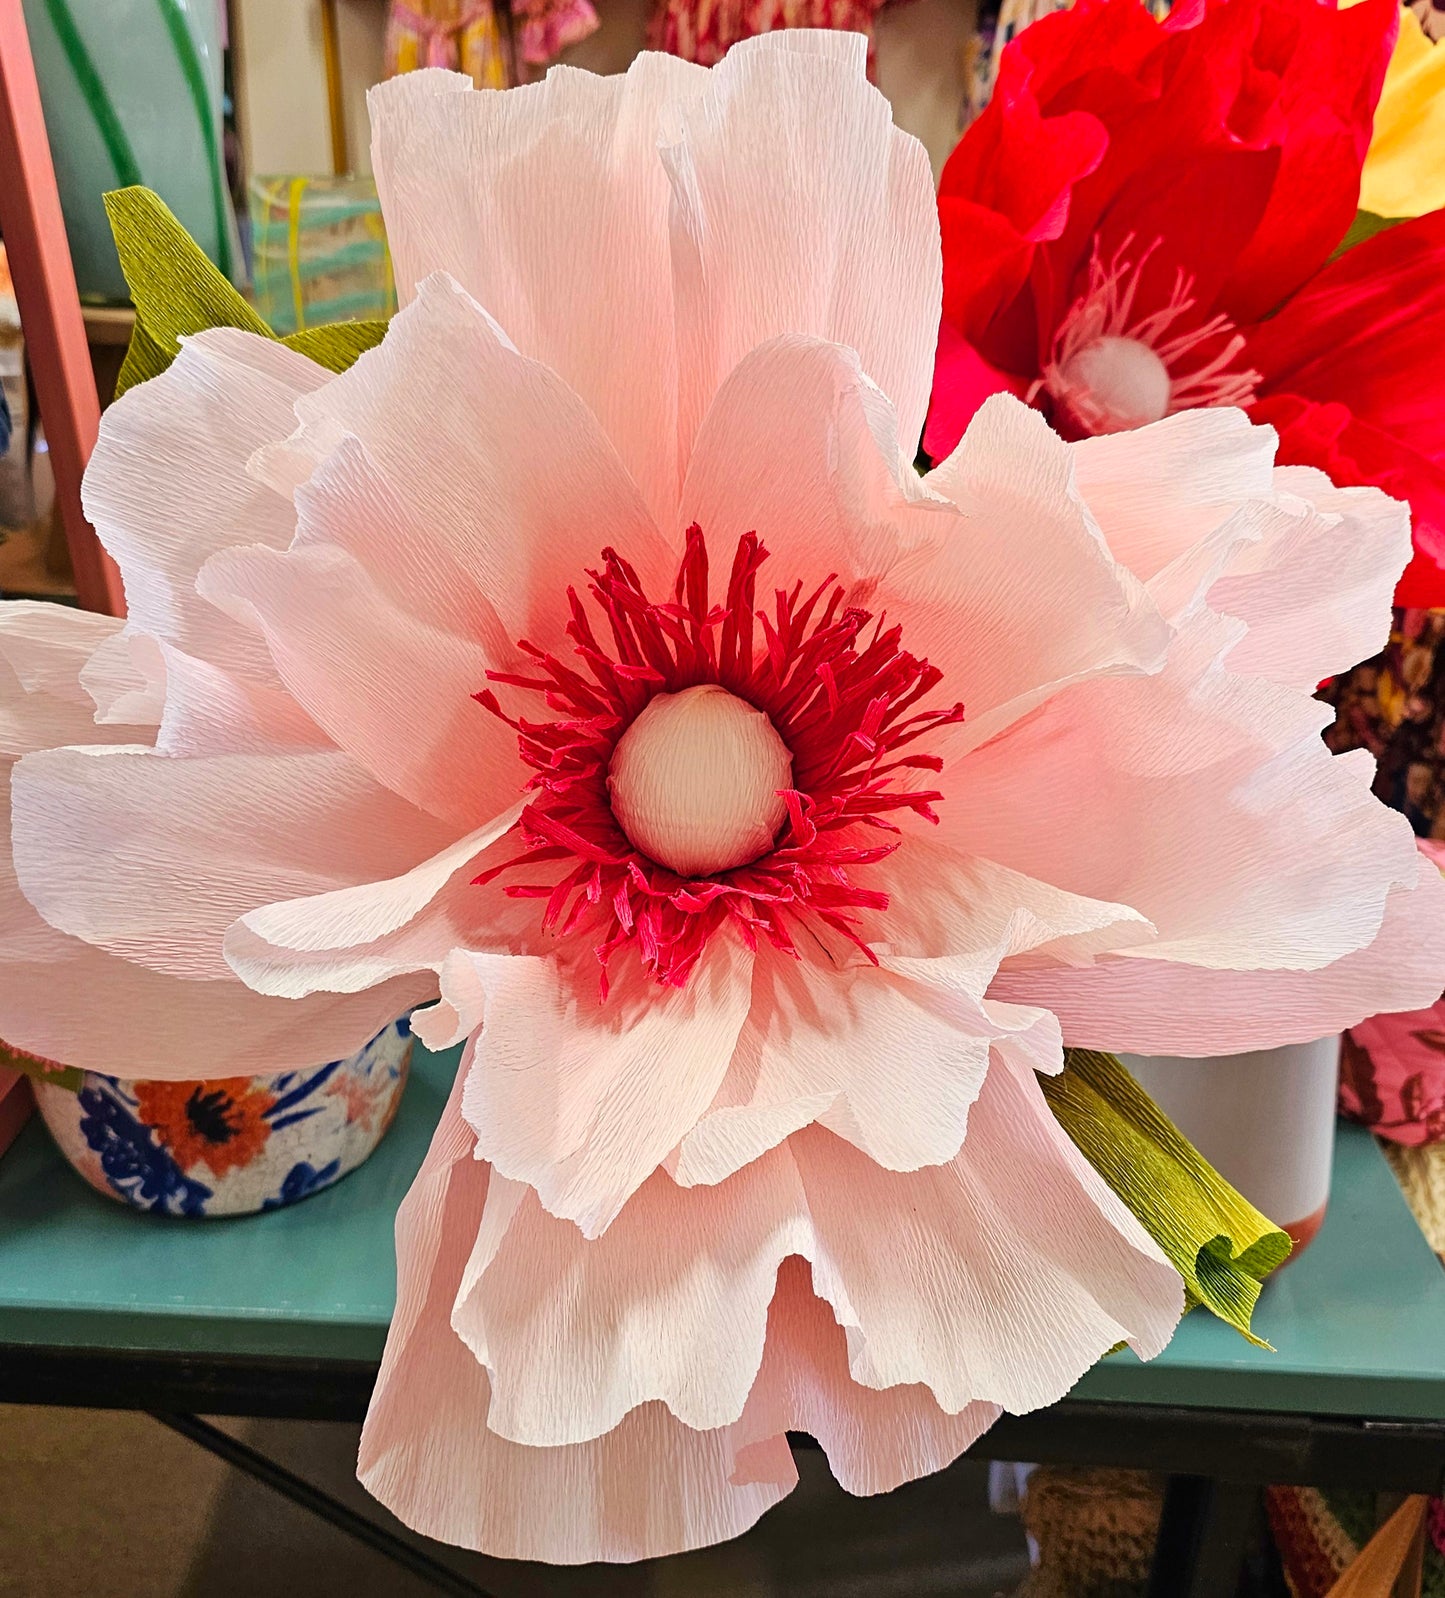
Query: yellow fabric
point(1405, 169)
point(466, 35)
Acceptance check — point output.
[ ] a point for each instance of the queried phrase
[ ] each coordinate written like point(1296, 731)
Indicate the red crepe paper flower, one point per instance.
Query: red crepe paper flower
point(1142, 221)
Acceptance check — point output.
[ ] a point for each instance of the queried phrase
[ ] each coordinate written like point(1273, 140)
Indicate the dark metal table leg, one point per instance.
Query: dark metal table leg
point(1203, 1535)
point(302, 1493)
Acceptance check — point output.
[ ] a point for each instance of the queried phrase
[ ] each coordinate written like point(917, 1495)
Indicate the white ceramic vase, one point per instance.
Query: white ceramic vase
point(1265, 1121)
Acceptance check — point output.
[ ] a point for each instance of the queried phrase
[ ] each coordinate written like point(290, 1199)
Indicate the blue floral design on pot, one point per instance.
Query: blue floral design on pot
point(231, 1146)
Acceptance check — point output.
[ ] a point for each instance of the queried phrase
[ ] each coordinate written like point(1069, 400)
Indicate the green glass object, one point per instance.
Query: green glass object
point(132, 95)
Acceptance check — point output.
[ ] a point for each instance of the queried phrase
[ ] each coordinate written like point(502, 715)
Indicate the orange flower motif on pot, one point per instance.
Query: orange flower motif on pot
point(221, 1124)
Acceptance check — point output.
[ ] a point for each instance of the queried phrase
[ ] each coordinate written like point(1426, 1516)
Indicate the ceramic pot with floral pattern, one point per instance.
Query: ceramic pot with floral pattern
point(233, 1146)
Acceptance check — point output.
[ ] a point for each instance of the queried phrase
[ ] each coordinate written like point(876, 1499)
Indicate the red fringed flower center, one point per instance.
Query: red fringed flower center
point(1116, 365)
point(842, 698)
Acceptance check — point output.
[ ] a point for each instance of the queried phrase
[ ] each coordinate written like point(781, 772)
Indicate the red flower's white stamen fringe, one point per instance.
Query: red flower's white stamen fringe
point(1110, 371)
point(842, 704)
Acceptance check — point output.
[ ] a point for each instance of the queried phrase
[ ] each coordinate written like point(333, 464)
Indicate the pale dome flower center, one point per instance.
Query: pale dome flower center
point(694, 781)
point(1121, 381)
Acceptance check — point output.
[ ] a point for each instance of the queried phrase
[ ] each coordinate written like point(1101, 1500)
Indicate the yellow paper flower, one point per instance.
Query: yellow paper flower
point(1405, 169)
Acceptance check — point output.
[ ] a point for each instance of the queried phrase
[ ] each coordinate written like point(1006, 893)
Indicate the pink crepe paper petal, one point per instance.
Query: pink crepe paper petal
point(1201, 464)
point(346, 939)
point(945, 1277)
point(392, 689)
point(1008, 632)
point(858, 262)
point(1145, 1006)
point(551, 209)
point(946, 903)
point(583, 1100)
point(127, 1021)
point(1203, 799)
point(1317, 593)
point(849, 502)
point(650, 1487)
point(168, 483)
point(126, 677)
point(463, 1002)
point(508, 492)
point(875, 1441)
point(43, 649)
point(887, 1059)
point(206, 710)
point(115, 1016)
point(1193, 506)
point(206, 840)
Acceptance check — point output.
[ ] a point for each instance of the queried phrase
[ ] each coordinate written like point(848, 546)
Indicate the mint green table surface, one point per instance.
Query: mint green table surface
point(1358, 1322)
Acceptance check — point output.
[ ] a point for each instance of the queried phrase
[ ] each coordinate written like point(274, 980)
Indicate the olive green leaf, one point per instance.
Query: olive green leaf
point(1218, 1242)
point(177, 291)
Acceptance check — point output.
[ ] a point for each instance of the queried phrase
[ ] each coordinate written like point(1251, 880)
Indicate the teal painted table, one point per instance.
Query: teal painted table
point(286, 1314)
point(1358, 1322)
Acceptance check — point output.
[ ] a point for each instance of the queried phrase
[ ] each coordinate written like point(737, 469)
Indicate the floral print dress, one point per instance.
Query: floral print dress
point(494, 45)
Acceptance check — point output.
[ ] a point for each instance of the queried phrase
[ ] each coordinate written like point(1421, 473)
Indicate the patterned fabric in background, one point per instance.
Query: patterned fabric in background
point(1392, 1076)
point(705, 30)
point(1432, 17)
point(1394, 706)
point(481, 38)
point(1392, 1071)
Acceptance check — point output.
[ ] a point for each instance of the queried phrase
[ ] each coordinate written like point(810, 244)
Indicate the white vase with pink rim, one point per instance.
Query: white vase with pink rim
point(1265, 1120)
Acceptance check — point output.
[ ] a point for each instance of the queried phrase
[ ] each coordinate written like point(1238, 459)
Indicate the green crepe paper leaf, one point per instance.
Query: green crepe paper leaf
point(1217, 1241)
point(144, 359)
point(337, 345)
point(175, 287)
point(39, 1070)
point(177, 291)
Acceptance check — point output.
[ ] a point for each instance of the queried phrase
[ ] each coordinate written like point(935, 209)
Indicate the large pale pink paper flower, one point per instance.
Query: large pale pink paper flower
point(767, 815)
point(69, 677)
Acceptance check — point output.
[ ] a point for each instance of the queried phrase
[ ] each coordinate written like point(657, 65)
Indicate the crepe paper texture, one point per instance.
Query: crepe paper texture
point(1217, 1241)
point(588, 669)
point(1115, 258)
point(177, 292)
